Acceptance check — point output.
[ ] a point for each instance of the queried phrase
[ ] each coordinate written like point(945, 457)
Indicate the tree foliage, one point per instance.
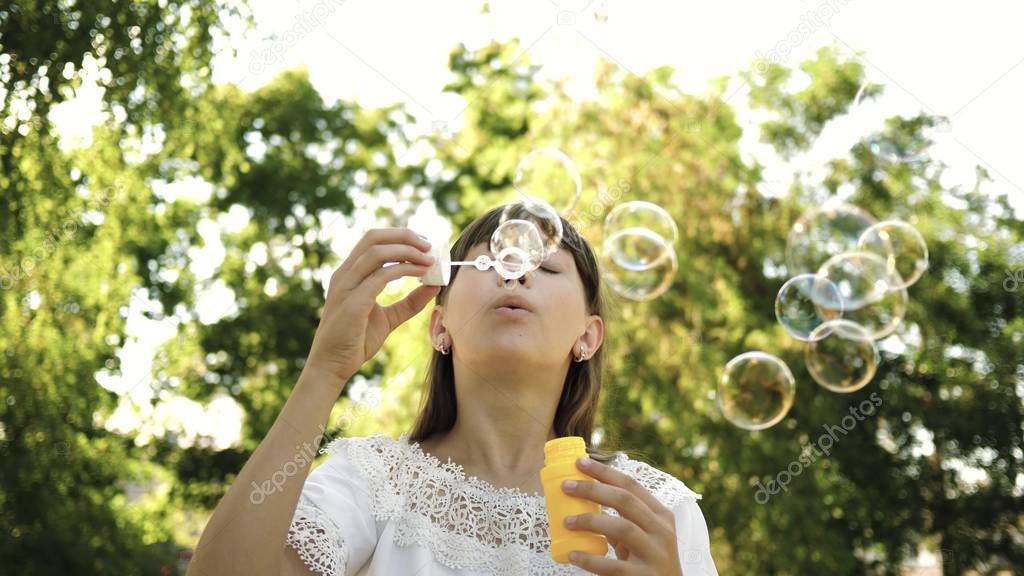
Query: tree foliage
point(83, 229)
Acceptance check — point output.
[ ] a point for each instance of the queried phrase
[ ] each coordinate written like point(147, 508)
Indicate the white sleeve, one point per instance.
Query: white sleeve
point(333, 529)
point(692, 540)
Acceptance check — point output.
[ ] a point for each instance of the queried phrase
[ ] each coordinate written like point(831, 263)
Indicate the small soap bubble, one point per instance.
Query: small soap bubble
point(806, 301)
point(756, 390)
point(841, 356)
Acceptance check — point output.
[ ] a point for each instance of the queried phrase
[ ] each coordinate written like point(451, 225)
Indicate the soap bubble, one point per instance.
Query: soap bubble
point(806, 301)
point(821, 233)
point(756, 390)
point(639, 282)
point(548, 174)
point(638, 253)
point(881, 317)
point(517, 246)
point(862, 277)
point(512, 263)
point(544, 218)
point(841, 356)
point(642, 214)
point(637, 249)
point(902, 247)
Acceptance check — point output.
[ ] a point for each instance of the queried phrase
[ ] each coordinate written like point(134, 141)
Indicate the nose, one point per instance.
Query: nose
point(509, 282)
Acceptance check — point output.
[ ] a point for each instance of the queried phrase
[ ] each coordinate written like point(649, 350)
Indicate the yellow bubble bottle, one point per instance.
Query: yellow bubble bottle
point(560, 457)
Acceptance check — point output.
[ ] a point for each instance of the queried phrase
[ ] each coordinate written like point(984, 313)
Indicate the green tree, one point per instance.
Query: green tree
point(296, 166)
point(74, 229)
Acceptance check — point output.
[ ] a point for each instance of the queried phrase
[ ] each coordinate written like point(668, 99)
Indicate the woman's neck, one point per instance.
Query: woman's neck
point(501, 427)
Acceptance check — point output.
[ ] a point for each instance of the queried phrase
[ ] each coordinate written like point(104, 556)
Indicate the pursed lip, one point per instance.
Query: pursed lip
point(513, 301)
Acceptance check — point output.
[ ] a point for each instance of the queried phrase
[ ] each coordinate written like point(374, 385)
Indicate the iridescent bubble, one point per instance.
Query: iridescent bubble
point(645, 283)
point(841, 356)
point(862, 277)
point(543, 216)
point(901, 246)
point(517, 244)
point(823, 232)
point(548, 174)
point(806, 301)
point(756, 390)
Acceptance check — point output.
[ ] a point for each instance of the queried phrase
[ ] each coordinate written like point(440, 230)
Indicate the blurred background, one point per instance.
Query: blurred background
point(180, 178)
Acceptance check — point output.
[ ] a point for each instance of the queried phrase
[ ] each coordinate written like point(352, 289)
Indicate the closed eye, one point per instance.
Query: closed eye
point(549, 270)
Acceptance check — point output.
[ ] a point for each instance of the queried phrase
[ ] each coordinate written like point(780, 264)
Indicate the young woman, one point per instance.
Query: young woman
point(516, 363)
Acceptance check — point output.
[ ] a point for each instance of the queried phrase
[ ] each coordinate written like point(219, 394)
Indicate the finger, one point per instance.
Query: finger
point(609, 475)
point(619, 529)
point(625, 502)
point(375, 283)
point(374, 257)
point(409, 306)
point(595, 564)
point(384, 236)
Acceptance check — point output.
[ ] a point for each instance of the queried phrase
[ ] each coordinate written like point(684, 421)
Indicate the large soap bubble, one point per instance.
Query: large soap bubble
point(517, 247)
point(638, 257)
point(631, 249)
point(862, 277)
point(841, 356)
point(756, 390)
point(546, 220)
point(901, 246)
point(549, 175)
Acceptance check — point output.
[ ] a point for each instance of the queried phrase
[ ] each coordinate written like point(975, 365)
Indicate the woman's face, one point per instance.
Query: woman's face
point(544, 335)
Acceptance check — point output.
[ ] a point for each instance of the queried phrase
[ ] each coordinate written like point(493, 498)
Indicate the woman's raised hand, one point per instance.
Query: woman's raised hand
point(353, 326)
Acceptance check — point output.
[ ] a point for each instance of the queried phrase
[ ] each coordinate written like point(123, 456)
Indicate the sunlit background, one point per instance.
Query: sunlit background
point(959, 61)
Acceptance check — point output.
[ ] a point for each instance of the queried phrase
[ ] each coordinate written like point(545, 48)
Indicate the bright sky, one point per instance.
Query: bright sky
point(965, 60)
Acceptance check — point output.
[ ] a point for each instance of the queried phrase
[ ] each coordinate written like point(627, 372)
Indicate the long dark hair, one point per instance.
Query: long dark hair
point(578, 404)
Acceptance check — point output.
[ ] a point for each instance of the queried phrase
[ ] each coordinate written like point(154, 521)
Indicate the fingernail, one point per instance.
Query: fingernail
point(569, 484)
point(570, 520)
point(583, 461)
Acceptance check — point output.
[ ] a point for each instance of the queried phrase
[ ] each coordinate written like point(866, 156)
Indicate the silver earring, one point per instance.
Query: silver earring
point(583, 354)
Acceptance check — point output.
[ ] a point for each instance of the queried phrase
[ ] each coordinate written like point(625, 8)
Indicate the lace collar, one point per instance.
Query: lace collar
point(466, 522)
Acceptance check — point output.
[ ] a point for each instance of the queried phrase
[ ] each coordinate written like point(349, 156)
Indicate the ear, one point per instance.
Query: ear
point(437, 327)
point(593, 336)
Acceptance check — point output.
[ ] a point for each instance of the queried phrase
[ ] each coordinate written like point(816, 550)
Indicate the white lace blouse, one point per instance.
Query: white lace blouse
point(380, 506)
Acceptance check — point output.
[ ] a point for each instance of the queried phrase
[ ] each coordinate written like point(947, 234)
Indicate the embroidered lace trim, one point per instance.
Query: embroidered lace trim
point(317, 539)
point(466, 522)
